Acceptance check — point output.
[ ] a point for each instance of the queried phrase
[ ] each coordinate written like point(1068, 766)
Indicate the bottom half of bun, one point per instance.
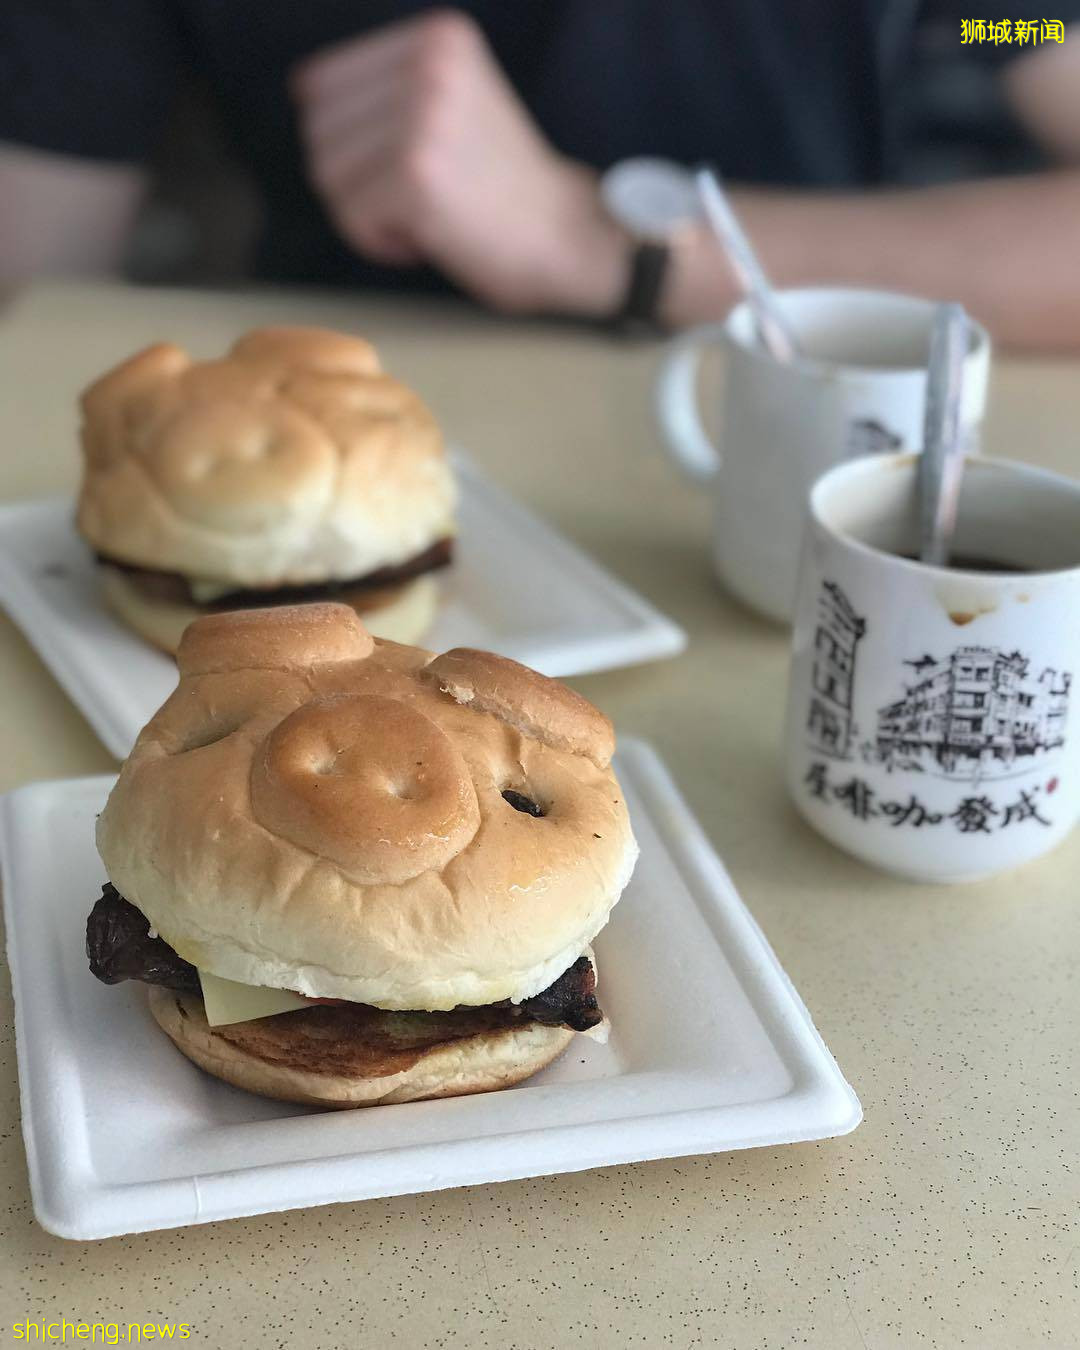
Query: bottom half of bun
point(401, 613)
point(293, 1058)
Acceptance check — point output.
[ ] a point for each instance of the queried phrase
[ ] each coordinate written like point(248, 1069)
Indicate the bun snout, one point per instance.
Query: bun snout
point(369, 783)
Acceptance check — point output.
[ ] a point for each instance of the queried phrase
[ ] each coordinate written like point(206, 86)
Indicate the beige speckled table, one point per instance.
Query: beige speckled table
point(950, 1218)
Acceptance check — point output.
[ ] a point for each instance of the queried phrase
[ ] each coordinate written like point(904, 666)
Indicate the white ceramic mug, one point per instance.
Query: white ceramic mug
point(929, 727)
point(860, 387)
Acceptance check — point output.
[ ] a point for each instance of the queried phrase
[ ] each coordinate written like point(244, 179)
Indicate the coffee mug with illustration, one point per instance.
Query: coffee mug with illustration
point(929, 727)
point(859, 387)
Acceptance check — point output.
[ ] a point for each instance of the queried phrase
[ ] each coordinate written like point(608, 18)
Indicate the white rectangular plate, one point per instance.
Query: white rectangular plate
point(711, 1049)
point(516, 587)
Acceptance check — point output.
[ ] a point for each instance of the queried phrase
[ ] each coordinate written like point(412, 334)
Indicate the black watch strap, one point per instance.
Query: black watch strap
point(640, 309)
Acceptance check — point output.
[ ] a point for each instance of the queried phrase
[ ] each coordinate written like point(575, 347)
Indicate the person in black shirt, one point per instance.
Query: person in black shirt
point(395, 144)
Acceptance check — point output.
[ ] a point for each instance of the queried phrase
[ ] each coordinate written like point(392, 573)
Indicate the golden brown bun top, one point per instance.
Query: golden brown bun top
point(318, 810)
point(292, 459)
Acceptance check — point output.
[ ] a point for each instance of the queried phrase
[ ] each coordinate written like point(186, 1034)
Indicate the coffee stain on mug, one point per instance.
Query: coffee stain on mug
point(964, 603)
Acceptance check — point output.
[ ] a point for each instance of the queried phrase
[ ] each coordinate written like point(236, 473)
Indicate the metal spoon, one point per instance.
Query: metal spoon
point(941, 464)
point(772, 325)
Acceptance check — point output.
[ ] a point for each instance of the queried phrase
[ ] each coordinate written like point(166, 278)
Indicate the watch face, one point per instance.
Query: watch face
point(651, 198)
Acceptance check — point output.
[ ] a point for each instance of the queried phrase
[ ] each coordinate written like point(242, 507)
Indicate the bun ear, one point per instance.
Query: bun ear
point(129, 397)
point(284, 637)
point(319, 349)
point(538, 707)
point(155, 365)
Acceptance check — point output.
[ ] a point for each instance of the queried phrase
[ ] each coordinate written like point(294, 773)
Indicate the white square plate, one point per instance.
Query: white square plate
point(711, 1049)
point(516, 587)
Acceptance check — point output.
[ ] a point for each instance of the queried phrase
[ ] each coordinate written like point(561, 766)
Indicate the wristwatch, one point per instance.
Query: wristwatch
point(655, 201)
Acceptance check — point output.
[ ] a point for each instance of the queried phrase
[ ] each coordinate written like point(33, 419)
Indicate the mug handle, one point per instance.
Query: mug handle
point(675, 403)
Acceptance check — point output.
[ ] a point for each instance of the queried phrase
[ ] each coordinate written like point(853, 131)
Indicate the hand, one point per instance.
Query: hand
point(422, 152)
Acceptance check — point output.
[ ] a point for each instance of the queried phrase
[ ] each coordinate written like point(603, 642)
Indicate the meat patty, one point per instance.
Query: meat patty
point(175, 588)
point(119, 947)
point(352, 1039)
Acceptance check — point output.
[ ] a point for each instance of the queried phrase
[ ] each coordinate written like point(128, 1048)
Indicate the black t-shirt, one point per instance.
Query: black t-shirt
point(772, 91)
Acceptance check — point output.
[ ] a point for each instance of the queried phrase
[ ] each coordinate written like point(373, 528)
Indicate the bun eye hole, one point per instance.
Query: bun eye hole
point(520, 802)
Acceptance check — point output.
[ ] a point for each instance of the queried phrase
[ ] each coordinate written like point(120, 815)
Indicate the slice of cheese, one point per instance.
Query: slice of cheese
point(203, 592)
point(226, 1001)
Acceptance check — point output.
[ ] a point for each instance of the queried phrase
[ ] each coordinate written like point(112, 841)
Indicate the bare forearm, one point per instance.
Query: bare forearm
point(1006, 248)
point(60, 214)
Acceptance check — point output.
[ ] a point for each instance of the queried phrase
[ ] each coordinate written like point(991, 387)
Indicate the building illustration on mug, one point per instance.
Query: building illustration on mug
point(979, 712)
point(831, 725)
point(868, 436)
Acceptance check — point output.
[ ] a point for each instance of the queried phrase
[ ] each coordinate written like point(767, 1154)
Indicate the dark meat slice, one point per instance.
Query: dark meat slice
point(175, 588)
point(120, 947)
point(570, 1001)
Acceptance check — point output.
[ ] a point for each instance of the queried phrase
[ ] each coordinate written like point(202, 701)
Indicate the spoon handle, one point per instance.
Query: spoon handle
point(772, 325)
point(941, 462)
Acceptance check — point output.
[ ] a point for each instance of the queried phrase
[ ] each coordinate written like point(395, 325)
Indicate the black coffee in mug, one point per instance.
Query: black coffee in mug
point(969, 562)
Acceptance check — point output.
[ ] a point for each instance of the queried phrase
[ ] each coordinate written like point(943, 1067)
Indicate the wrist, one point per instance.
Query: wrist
point(700, 285)
point(587, 269)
